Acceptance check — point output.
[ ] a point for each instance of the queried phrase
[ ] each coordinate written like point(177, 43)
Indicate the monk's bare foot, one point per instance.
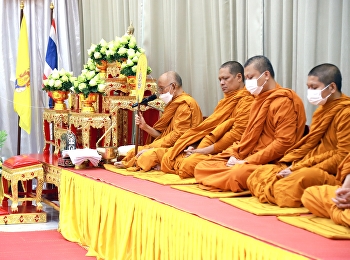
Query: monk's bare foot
point(157, 167)
point(119, 165)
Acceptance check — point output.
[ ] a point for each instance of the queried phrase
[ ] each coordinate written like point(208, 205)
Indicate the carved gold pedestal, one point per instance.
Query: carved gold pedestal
point(23, 174)
point(25, 215)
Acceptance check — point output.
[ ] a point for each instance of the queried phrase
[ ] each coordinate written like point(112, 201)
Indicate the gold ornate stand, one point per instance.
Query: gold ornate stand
point(23, 174)
point(87, 121)
point(118, 106)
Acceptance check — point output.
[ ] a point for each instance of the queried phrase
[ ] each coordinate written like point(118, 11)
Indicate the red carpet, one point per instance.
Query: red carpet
point(39, 245)
point(265, 228)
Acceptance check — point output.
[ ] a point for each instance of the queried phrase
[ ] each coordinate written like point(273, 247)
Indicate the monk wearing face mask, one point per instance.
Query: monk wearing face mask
point(276, 122)
point(181, 113)
point(315, 158)
point(217, 132)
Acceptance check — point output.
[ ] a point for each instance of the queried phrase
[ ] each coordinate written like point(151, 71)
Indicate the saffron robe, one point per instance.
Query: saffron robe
point(313, 160)
point(276, 122)
point(318, 199)
point(180, 114)
point(230, 115)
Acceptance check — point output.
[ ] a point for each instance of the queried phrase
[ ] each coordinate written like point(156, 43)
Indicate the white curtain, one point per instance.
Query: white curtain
point(37, 14)
point(191, 37)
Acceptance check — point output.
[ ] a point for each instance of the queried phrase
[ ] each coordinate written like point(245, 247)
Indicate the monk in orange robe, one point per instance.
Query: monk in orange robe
point(315, 158)
point(276, 122)
point(180, 114)
point(214, 134)
point(331, 201)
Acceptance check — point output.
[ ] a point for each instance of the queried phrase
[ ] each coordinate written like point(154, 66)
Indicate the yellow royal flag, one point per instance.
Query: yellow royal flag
point(21, 97)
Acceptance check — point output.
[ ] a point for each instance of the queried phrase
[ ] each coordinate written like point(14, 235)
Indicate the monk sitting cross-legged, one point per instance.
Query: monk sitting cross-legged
point(331, 201)
point(180, 114)
point(315, 158)
point(214, 134)
point(276, 122)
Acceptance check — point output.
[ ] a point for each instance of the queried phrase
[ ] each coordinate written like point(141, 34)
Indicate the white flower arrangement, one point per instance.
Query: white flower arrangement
point(123, 49)
point(59, 81)
point(89, 81)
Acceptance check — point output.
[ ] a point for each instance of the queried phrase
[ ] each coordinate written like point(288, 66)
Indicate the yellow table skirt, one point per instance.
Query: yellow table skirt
point(117, 224)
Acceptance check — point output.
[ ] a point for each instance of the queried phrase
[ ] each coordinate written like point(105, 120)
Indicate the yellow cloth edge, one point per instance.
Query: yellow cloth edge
point(164, 178)
point(113, 168)
point(211, 194)
point(253, 205)
point(321, 226)
point(118, 224)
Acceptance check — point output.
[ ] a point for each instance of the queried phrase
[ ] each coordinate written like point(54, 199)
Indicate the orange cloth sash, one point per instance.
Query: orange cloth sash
point(257, 118)
point(162, 125)
point(222, 112)
point(322, 118)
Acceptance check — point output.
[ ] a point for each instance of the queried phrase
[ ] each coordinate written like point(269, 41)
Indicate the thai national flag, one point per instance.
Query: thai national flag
point(51, 58)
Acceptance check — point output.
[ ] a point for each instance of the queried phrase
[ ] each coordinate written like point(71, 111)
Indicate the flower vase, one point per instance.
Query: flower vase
point(87, 102)
point(59, 97)
point(102, 67)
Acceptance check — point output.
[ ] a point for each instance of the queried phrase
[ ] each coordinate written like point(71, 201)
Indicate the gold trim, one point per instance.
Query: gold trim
point(23, 218)
point(23, 174)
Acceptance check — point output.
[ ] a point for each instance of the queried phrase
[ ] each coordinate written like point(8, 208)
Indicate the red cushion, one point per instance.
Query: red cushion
point(20, 161)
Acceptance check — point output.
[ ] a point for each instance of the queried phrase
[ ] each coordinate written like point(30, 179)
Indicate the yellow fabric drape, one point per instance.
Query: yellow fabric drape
point(117, 224)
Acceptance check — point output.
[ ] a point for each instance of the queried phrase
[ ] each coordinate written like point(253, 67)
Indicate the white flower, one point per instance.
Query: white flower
point(90, 74)
point(72, 88)
point(97, 55)
point(135, 59)
point(103, 43)
point(64, 78)
point(134, 68)
point(123, 65)
point(58, 84)
point(81, 78)
point(129, 63)
point(142, 50)
point(131, 53)
point(62, 72)
point(103, 50)
point(117, 43)
point(101, 87)
point(92, 47)
point(82, 86)
point(92, 82)
point(46, 82)
point(124, 40)
point(122, 51)
point(51, 82)
point(55, 74)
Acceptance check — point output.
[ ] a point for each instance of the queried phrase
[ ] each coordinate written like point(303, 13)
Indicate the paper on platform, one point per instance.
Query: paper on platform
point(78, 156)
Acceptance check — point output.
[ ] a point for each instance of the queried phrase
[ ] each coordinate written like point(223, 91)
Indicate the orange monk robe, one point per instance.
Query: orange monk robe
point(318, 199)
point(276, 122)
point(179, 115)
point(313, 160)
point(234, 107)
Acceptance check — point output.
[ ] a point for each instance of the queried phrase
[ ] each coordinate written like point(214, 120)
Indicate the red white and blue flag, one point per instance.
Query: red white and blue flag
point(51, 58)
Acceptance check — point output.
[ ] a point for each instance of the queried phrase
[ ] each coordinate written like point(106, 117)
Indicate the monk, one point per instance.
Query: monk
point(315, 158)
point(276, 122)
point(331, 201)
point(214, 134)
point(181, 113)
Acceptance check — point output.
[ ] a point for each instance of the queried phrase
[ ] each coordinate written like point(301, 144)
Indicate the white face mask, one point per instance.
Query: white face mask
point(166, 97)
point(252, 85)
point(315, 96)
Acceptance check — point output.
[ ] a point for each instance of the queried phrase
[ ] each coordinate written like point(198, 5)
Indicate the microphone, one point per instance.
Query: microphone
point(145, 100)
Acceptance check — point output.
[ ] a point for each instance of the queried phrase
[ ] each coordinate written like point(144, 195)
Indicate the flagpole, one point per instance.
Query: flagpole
point(18, 127)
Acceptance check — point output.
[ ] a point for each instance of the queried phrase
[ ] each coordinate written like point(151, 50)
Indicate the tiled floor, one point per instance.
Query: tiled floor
point(52, 222)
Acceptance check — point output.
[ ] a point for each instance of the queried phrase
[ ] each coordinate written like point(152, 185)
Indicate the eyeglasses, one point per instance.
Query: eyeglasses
point(161, 89)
